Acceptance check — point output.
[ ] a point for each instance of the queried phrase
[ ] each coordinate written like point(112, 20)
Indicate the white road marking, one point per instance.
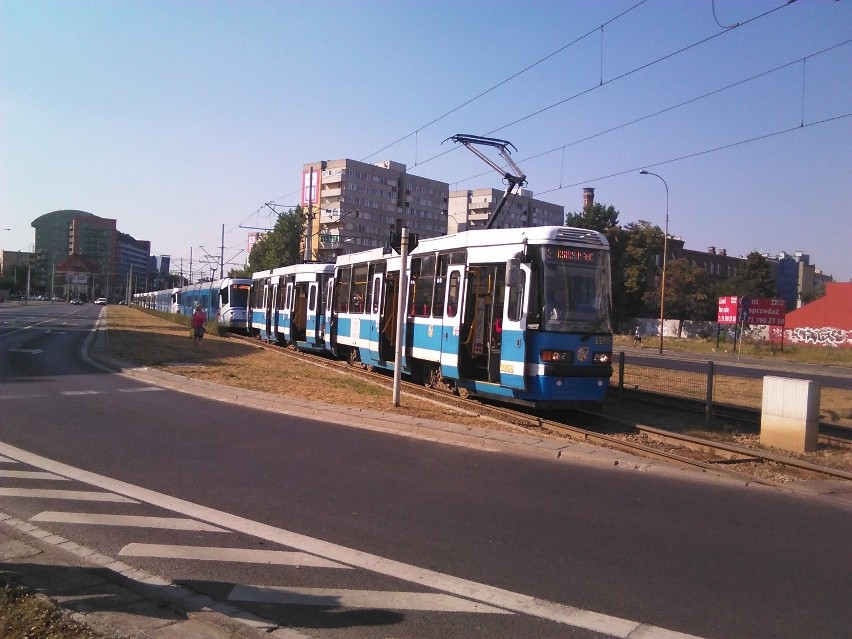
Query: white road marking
point(242, 555)
point(30, 351)
point(516, 602)
point(343, 598)
point(20, 396)
point(135, 521)
point(6, 460)
point(86, 392)
point(144, 389)
point(76, 495)
point(29, 474)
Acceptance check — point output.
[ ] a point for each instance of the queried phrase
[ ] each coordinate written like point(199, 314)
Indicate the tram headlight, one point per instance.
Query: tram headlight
point(557, 356)
point(602, 358)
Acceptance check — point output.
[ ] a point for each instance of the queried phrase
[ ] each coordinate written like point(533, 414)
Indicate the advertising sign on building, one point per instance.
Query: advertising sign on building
point(728, 312)
point(310, 187)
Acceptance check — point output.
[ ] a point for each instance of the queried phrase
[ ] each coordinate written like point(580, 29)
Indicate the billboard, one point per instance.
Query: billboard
point(310, 186)
point(756, 311)
point(729, 310)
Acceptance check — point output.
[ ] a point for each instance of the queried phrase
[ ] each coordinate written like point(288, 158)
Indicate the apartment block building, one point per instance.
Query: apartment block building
point(105, 251)
point(357, 206)
point(472, 208)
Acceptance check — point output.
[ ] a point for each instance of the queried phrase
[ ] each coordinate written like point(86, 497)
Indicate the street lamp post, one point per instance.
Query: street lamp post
point(665, 255)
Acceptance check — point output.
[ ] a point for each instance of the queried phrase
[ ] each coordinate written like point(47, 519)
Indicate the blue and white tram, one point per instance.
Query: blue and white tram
point(225, 301)
point(522, 315)
point(288, 305)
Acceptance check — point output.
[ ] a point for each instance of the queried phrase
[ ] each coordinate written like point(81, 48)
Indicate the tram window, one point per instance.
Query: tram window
point(377, 294)
point(341, 288)
point(453, 294)
point(459, 257)
point(359, 288)
point(223, 294)
point(423, 272)
point(312, 298)
point(440, 286)
point(516, 298)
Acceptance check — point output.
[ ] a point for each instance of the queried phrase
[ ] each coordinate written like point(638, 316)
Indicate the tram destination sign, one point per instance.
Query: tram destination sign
point(757, 311)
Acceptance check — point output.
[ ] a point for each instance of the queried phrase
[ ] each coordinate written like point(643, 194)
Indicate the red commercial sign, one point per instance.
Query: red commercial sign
point(757, 311)
point(764, 311)
point(729, 310)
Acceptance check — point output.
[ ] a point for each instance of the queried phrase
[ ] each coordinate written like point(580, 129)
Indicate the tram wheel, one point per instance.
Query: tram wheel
point(352, 357)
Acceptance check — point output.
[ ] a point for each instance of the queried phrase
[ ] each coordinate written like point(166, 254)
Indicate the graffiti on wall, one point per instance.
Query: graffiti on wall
point(825, 336)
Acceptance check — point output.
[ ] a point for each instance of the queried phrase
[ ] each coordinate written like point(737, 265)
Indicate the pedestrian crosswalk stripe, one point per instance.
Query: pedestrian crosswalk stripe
point(76, 495)
point(242, 555)
point(28, 474)
point(6, 460)
point(135, 521)
point(342, 598)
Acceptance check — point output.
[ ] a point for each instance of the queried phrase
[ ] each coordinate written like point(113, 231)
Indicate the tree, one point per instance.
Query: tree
point(636, 255)
point(689, 293)
point(282, 245)
point(597, 217)
point(754, 279)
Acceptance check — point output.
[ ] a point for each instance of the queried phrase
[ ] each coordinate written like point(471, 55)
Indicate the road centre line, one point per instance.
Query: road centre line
point(491, 595)
point(238, 555)
point(133, 521)
point(75, 495)
point(343, 598)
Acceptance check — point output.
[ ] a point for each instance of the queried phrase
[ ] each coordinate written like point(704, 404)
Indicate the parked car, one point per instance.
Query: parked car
point(101, 300)
point(77, 302)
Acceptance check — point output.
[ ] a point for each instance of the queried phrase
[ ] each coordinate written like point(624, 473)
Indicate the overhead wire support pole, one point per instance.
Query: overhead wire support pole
point(513, 180)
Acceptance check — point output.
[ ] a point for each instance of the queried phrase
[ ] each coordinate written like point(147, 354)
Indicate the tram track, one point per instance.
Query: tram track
point(627, 435)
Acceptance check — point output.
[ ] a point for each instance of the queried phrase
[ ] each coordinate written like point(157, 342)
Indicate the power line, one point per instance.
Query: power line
point(700, 153)
point(677, 106)
point(506, 80)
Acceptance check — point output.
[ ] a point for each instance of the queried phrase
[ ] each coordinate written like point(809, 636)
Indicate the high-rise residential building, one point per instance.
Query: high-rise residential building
point(472, 208)
point(357, 206)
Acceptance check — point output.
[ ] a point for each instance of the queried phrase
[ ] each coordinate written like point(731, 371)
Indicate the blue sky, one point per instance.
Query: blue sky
point(178, 117)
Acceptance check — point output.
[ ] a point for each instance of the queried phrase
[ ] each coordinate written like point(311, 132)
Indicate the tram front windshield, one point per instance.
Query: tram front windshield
point(575, 289)
point(240, 295)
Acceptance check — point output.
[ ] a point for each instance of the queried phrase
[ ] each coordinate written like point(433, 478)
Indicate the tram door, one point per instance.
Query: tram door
point(330, 332)
point(451, 328)
point(283, 316)
point(313, 324)
point(299, 312)
point(374, 312)
point(268, 296)
point(513, 328)
point(482, 325)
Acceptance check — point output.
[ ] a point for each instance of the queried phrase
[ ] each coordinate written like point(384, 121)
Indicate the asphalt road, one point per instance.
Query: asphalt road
point(377, 535)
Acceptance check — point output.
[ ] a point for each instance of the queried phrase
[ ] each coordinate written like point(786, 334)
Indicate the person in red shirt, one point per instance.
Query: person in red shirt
point(199, 319)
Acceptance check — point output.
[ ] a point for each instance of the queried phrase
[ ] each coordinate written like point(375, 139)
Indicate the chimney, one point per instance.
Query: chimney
point(588, 198)
point(711, 250)
point(723, 251)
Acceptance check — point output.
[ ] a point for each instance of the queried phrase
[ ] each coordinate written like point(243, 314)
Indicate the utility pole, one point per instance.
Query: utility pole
point(309, 227)
point(222, 255)
point(400, 316)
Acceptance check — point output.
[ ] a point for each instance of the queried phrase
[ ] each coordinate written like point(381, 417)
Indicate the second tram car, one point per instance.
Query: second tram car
point(288, 305)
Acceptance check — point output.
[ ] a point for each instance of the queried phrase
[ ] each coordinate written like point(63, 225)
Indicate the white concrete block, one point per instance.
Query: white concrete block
point(790, 414)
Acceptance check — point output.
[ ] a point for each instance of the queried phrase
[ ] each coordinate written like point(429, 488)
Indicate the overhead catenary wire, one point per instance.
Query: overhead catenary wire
point(667, 109)
point(696, 154)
